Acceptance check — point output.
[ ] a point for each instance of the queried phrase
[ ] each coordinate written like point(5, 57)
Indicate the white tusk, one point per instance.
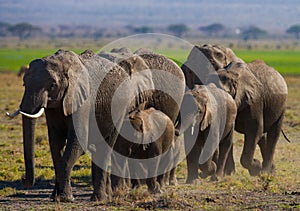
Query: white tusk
point(17, 112)
point(193, 125)
point(34, 116)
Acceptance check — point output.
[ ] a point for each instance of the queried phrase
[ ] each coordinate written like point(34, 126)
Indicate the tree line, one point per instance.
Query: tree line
point(26, 30)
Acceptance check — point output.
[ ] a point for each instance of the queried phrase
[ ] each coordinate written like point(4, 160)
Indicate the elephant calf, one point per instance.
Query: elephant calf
point(155, 134)
point(214, 111)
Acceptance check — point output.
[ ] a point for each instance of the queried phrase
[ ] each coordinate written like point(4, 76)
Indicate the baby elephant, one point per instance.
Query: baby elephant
point(155, 133)
point(213, 111)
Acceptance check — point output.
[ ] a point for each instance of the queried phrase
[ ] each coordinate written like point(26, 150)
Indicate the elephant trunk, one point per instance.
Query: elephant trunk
point(28, 144)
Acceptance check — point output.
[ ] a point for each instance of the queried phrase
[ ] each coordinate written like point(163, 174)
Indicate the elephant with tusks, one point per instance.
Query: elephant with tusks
point(85, 98)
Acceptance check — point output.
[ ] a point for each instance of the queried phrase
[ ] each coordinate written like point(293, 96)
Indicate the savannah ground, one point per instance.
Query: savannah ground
point(240, 191)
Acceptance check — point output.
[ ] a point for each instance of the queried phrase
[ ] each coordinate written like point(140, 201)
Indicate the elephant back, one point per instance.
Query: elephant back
point(116, 55)
point(169, 83)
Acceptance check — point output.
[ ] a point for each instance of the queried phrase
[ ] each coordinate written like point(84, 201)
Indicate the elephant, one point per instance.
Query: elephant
point(205, 59)
point(213, 112)
point(154, 135)
point(260, 93)
point(64, 85)
point(201, 62)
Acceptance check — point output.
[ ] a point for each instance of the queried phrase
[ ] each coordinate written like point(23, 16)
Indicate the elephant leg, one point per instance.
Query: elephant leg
point(119, 164)
point(154, 150)
point(137, 173)
point(172, 177)
point(224, 149)
point(57, 144)
point(208, 168)
point(192, 158)
point(71, 154)
point(160, 180)
point(229, 165)
point(118, 168)
point(135, 183)
point(153, 185)
point(101, 155)
point(252, 138)
point(167, 178)
point(100, 184)
point(272, 139)
point(263, 146)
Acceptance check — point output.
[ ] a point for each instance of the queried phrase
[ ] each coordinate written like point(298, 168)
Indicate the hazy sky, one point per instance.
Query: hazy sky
point(265, 13)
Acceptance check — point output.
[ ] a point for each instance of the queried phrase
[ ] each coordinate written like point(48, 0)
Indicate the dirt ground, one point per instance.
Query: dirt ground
point(280, 191)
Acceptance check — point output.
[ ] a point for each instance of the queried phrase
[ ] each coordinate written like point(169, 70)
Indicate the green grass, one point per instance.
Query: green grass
point(13, 59)
point(286, 62)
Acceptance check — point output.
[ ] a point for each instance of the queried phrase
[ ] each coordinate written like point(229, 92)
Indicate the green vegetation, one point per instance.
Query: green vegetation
point(13, 59)
point(286, 62)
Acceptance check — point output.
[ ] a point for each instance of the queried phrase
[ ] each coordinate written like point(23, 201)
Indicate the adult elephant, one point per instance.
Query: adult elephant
point(201, 62)
point(260, 94)
point(205, 59)
point(163, 81)
point(63, 85)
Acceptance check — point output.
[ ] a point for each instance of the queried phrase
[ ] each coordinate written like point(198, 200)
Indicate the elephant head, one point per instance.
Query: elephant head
point(197, 108)
point(219, 56)
point(50, 83)
point(139, 119)
point(240, 82)
point(204, 60)
point(133, 65)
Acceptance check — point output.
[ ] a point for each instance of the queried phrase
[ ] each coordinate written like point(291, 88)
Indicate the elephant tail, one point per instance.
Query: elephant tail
point(286, 138)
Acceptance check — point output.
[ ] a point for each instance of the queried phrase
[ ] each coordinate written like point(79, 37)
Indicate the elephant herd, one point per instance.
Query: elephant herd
point(127, 108)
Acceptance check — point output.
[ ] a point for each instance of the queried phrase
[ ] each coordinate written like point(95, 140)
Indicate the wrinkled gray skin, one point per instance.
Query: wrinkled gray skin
point(207, 106)
point(147, 124)
point(260, 94)
point(206, 59)
point(51, 83)
point(143, 59)
point(201, 62)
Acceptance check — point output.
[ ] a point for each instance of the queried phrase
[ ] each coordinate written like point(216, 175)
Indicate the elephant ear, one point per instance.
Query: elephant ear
point(247, 85)
point(206, 121)
point(77, 92)
point(231, 57)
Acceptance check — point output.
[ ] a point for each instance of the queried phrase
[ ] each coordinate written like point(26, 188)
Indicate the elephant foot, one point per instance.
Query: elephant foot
point(215, 178)
point(66, 198)
point(254, 171)
point(268, 170)
point(192, 181)
point(99, 197)
point(154, 187)
point(203, 175)
point(62, 198)
point(192, 178)
point(229, 172)
point(156, 190)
